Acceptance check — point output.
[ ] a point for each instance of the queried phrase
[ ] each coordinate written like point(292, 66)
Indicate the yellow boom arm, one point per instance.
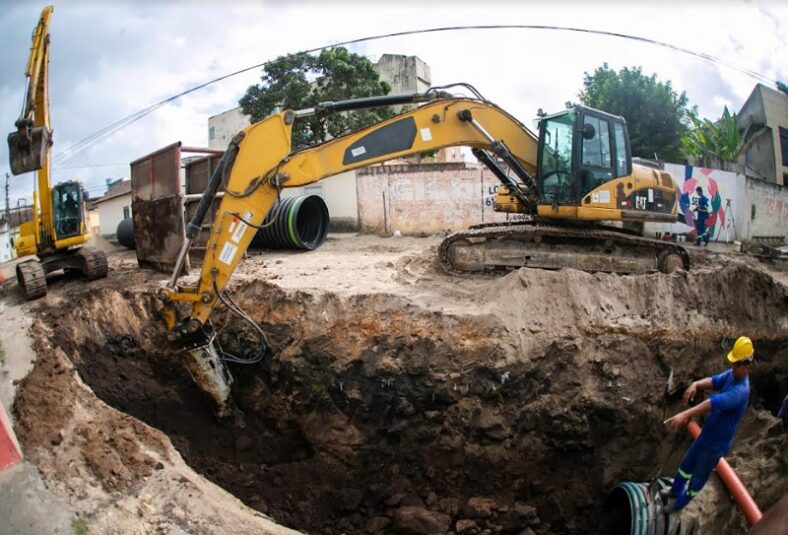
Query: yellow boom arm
point(29, 145)
point(264, 163)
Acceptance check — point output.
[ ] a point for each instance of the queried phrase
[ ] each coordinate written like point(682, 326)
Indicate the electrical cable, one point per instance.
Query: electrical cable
point(128, 120)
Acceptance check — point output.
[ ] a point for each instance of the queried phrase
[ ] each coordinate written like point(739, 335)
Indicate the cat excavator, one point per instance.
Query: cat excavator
point(59, 225)
point(564, 182)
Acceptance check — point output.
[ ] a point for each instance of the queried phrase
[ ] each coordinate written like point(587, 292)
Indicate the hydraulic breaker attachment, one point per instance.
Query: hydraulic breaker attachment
point(204, 364)
point(27, 148)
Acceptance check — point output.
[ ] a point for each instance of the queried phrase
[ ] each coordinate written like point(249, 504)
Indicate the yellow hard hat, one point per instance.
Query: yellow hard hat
point(742, 350)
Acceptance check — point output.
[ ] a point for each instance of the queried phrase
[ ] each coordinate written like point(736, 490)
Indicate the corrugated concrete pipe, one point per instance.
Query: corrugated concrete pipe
point(125, 233)
point(741, 496)
point(639, 509)
point(295, 223)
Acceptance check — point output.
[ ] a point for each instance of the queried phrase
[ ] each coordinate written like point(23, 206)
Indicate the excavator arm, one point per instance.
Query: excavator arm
point(258, 164)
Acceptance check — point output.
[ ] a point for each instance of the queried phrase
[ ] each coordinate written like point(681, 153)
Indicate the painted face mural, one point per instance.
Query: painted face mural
point(694, 178)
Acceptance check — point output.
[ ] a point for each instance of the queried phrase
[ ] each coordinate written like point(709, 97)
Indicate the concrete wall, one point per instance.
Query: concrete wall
point(733, 201)
point(776, 106)
point(405, 74)
point(430, 198)
point(759, 155)
point(762, 116)
point(111, 213)
point(768, 210)
point(222, 127)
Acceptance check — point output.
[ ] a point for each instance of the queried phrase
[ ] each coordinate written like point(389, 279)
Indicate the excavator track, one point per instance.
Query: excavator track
point(32, 279)
point(540, 244)
point(94, 263)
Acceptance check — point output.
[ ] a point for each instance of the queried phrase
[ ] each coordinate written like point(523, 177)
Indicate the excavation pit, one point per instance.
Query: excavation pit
point(376, 413)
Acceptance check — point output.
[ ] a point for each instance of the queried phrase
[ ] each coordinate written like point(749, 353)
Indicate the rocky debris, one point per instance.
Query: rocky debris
point(377, 524)
point(420, 521)
point(479, 507)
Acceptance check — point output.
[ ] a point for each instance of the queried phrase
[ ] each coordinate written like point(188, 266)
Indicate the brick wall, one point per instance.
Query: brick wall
point(425, 199)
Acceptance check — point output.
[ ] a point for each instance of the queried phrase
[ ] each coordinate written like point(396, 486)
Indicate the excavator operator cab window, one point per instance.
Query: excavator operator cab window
point(67, 198)
point(556, 141)
point(604, 151)
point(596, 166)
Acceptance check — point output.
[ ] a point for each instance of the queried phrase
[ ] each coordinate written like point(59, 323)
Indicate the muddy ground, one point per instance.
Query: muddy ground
point(397, 398)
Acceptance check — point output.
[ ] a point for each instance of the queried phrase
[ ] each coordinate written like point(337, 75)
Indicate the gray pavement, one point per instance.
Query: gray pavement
point(27, 507)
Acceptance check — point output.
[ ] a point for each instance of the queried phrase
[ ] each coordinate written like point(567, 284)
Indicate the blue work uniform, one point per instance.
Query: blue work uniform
point(700, 220)
point(728, 405)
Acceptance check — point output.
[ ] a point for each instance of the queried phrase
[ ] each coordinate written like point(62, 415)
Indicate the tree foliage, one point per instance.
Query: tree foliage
point(302, 80)
point(712, 142)
point(656, 116)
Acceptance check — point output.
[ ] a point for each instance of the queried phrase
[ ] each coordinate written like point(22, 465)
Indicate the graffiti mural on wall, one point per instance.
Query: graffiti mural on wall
point(714, 191)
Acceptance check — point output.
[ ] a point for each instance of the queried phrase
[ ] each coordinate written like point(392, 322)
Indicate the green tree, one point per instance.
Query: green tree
point(712, 142)
point(302, 80)
point(656, 116)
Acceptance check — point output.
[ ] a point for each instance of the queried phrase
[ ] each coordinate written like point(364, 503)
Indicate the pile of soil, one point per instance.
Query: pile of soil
point(466, 405)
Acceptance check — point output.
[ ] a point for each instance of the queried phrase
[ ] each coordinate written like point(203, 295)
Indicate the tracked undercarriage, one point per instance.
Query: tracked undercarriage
point(547, 245)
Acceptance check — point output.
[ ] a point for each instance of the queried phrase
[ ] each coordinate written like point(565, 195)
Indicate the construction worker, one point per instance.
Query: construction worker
point(725, 409)
point(702, 211)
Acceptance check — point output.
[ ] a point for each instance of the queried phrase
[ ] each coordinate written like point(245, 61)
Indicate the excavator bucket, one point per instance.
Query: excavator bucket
point(27, 149)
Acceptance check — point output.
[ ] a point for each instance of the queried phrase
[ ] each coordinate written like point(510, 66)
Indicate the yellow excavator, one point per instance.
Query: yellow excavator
point(576, 174)
point(59, 225)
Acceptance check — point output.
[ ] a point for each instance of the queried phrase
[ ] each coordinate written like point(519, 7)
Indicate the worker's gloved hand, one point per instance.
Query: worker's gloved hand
point(689, 394)
point(676, 422)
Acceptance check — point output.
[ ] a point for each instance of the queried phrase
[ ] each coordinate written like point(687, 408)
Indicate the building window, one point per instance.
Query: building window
point(784, 145)
point(212, 133)
point(126, 212)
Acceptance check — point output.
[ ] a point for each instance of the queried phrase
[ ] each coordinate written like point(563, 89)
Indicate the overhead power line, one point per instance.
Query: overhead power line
point(134, 117)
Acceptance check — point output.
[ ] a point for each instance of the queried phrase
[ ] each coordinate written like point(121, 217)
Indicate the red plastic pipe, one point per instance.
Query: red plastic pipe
point(737, 489)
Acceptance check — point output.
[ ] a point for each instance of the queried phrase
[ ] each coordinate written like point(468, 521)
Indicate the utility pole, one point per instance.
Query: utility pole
point(7, 201)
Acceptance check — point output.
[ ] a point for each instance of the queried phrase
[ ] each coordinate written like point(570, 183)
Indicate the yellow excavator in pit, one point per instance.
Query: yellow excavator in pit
point(575, 174)
point(59, 225)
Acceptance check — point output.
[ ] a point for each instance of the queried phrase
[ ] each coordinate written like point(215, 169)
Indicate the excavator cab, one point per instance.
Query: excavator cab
point(68, 205)
point(580, 149)
point(27, 148)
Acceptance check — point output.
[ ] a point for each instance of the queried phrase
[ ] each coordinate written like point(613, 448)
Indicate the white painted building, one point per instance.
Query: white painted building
point(223, 126)
point(113, 207)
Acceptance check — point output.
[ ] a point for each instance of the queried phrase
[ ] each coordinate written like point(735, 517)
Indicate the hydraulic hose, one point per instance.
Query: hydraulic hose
point(741, 496)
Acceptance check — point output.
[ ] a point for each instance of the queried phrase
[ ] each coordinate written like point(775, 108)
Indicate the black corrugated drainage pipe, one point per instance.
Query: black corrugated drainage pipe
point(639, 509)
point(125, 233)
point(300, 223)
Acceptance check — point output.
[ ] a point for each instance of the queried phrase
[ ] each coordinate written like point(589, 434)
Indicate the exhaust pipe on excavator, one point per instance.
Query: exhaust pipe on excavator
point(27, 148)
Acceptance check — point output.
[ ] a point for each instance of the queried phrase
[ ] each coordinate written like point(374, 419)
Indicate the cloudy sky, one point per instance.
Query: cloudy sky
point(111, 59)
